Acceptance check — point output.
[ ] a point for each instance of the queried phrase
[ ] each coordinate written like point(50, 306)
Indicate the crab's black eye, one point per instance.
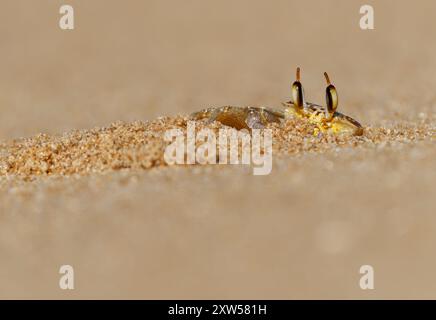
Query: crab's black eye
point(297, 92)
point(331, 97)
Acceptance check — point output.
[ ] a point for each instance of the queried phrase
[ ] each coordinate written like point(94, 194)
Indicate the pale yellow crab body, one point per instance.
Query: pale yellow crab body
point(326, 119)
point(260, 117)
point(241, 117)
point(315, 114)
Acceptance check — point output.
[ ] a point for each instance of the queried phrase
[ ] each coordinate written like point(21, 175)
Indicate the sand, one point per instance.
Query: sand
point(142, 145)
point(82, 176)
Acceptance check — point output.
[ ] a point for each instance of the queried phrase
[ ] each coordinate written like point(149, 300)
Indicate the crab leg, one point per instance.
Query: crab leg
point(240, 117)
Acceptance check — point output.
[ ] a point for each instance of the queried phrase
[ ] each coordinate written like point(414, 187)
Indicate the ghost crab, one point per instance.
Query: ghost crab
point(326, 119)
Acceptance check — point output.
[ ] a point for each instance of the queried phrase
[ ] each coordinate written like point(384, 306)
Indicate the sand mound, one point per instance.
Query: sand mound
point(140, 145)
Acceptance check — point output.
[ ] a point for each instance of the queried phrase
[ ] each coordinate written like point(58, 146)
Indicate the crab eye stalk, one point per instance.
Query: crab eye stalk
point(331, 97)
point(297, 92)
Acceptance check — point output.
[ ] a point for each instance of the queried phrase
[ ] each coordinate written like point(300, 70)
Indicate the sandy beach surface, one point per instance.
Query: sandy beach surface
point(83, 181)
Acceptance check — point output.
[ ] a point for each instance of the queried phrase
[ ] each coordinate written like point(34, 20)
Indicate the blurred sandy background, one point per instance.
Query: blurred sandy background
point(206, 232)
